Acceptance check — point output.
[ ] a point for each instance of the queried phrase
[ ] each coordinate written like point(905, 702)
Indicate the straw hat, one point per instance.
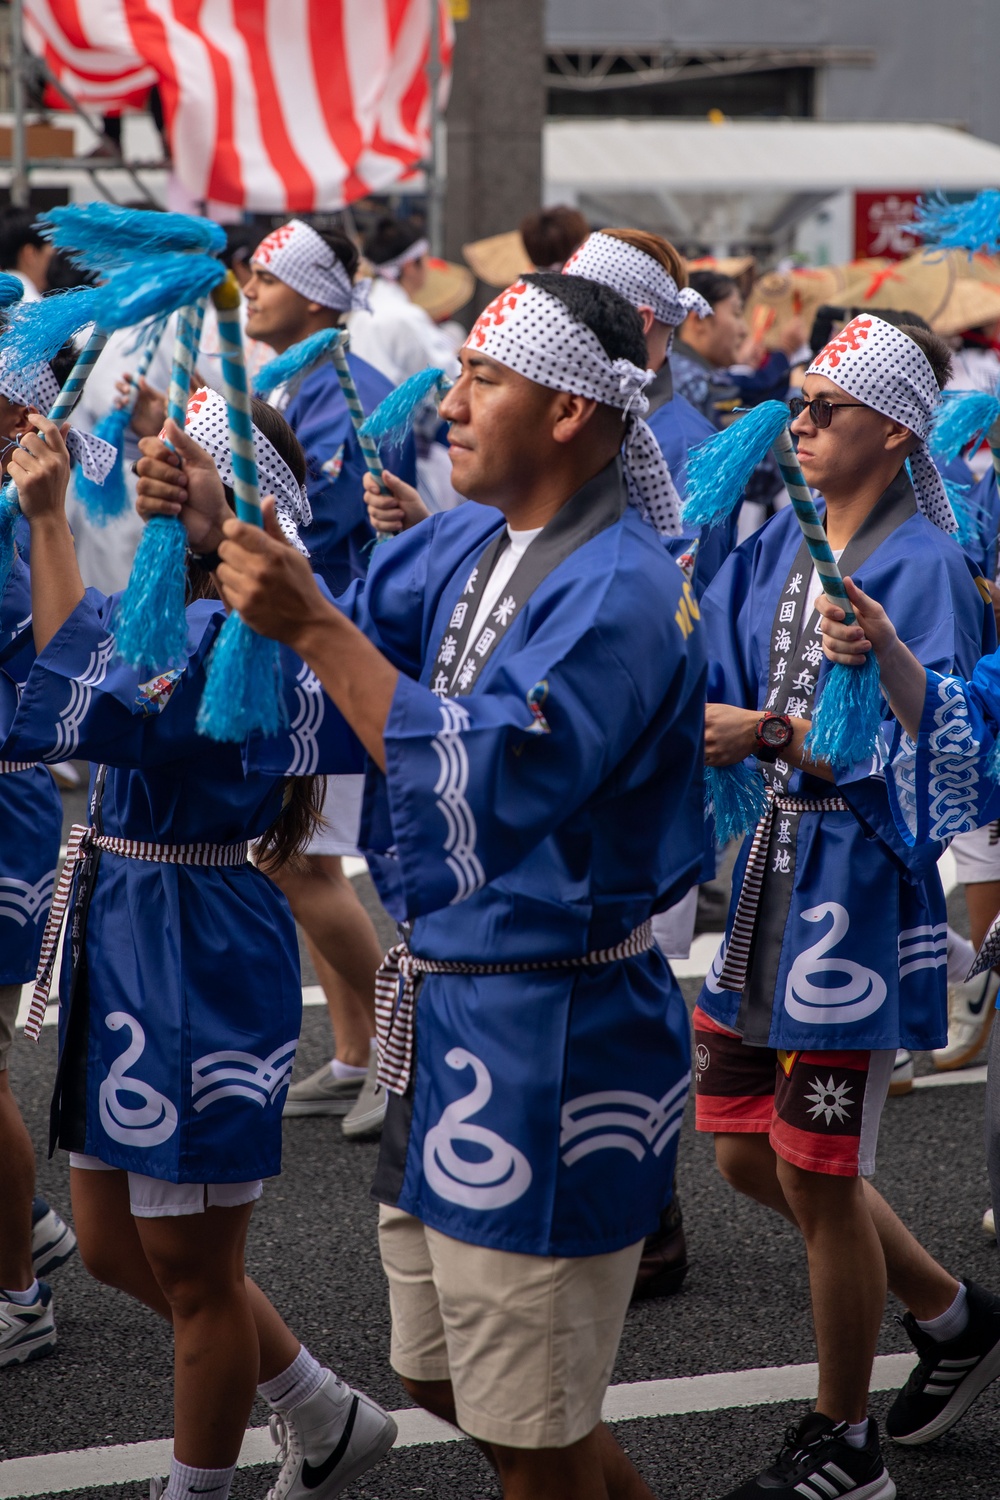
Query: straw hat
point(726, 265)
point(498, 260)
point(779, 296)
point(970, 304)
point(447, 288)
point(921, 283)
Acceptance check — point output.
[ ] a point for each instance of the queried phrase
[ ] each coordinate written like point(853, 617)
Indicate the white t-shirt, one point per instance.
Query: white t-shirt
point(816, 588)
point(498, 580)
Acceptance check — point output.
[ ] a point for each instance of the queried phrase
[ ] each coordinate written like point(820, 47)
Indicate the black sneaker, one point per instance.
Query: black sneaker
point(815, 1463)
point(950, 1374)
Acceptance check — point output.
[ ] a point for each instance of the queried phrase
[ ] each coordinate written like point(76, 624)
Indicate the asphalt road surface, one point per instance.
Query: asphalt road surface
point(744, 1307)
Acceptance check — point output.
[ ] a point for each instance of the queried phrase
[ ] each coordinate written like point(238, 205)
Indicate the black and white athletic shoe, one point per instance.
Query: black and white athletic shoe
point(950, 1374)
point(328, 1442)
point(27, 1330)
point(815, 1463)
point(52, 1240)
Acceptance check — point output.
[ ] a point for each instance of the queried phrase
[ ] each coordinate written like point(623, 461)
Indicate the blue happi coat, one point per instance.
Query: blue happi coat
point(179, 1026)
point(544, 814)
point(849, 946)
point(30, 805)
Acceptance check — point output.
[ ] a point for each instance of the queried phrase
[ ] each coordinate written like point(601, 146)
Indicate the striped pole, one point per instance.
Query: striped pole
point(812, 527)
point(226, 298)
point(338, 353)
point(186, 346)
point(77, 378)
point(141, 371)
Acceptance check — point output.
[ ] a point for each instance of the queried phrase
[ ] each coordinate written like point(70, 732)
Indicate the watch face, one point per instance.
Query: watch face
point(775, 732)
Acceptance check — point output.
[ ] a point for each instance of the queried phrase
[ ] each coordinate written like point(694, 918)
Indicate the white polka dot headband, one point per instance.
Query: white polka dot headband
point(207, 423)
point(302, 259)
point(537, 336)
point(639, 278)
point(882, 367)
point(37, 386)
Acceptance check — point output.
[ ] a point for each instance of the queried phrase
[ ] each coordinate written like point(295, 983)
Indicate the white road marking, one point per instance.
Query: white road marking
point(90, 1468)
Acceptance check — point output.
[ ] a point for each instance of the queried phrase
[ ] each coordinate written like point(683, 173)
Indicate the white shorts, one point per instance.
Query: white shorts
point(150, 1198)
point(673, 929)
point(977, 855)
point(338, 833)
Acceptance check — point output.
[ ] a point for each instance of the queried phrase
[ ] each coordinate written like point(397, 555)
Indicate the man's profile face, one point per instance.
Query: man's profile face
point(844, 452)
point(276, 314)
point(501, 429)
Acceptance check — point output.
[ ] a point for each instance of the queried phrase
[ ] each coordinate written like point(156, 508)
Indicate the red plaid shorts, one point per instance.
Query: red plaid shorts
point(820, 1110)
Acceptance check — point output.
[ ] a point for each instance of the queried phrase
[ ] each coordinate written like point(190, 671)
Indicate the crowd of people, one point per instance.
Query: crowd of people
point(508, 709)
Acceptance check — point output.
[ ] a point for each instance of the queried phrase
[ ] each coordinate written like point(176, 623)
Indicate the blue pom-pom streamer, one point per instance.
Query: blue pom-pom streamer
point(37, 330)
point(102, 236)
point(972, 519)
point(104, 502)
point(962, 417)
point(971, 226)
point(737, 797)
point(147, 290)
point(296, 362)
point(846, 722)
point(150, 625)
point(392, 419)
point(243, 691)
point(10, 513)
point(993, 762)
point(719, 468)
point(11, 290)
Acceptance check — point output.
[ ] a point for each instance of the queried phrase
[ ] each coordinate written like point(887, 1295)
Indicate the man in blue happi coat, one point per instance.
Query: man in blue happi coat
point(835, 950)
point(525, 675)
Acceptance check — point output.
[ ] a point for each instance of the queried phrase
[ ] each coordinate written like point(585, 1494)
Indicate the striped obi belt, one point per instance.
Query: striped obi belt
point(9, 767)
point(395, 993)
point(82, 841)
point(734, 969)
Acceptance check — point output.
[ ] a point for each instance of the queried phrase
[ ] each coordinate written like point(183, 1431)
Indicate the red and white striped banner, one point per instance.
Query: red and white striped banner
point(274, 105)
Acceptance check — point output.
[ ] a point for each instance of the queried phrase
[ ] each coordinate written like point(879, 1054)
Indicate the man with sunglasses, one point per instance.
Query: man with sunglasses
point(835, 948)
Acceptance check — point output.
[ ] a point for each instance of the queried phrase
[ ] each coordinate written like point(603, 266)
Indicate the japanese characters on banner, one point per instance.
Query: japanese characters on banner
point(271, 107)
point(883, 224)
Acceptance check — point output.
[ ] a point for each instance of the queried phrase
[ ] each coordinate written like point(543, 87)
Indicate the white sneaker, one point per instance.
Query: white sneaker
point(27, 1331)
point(65, 775)
point(328, 1442)
point(52, 1240)
point(990, 1224)
point(366, 1119)
point(322, 1094)
point(970, 1016)
point(901, 1081)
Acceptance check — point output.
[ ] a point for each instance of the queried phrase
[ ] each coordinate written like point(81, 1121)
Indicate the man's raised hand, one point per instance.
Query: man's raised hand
point(396, 511)
point(39, 466)
point(850, 644)
point(182, 480)
point(269, 581)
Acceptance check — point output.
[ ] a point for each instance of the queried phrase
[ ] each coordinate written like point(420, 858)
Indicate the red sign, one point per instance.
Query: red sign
point(881, 225)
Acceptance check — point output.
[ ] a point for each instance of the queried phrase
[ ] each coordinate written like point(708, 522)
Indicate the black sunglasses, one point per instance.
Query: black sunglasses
point(820, 410)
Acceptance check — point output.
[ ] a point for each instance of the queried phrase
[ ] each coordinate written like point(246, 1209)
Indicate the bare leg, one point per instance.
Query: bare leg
point(846, 1280)
point(983, 900)
point(341, 936)
point(18, 1159)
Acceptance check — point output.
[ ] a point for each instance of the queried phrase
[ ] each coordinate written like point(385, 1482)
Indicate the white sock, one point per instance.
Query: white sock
point(301, 1380)
point(23, 1299)
point(960, 957)
point(341, 1070)
point(949, 1324)
point(857, 1433)
point(208, 1484)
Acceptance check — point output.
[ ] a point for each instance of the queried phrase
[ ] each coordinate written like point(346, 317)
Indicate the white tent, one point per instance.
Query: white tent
point(747, 181)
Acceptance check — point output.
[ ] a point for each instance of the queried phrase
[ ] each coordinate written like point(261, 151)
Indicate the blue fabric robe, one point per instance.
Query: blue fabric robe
point(867, 912)
point(340, 535)
point(187, 1005)
point(544, 1109)
point(30, 805)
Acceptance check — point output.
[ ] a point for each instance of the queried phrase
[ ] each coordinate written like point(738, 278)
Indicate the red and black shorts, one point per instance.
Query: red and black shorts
point(820, 1110)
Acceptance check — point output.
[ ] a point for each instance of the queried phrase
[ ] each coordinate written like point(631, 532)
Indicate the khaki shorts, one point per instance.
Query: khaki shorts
point(527, 1341)
point(10, 997)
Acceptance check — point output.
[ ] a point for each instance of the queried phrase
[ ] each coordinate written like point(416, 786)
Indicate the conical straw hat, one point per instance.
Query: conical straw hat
point(498, 260)
point(447, 288)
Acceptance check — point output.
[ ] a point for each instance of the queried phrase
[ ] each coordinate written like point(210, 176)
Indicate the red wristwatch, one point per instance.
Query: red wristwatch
point(773, 733)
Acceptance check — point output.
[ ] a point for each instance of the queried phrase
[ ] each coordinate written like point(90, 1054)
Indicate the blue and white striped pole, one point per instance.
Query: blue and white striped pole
point(812, 527)
point(237, 394)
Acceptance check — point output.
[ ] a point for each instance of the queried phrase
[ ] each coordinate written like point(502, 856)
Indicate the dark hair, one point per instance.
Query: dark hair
point(551, 236)
point(390, 238)
point(302, 804)
point(241, 242)
point(614, 322)
point(713, 286)
point(343, 248)
point(934, 347)
point(17, 229)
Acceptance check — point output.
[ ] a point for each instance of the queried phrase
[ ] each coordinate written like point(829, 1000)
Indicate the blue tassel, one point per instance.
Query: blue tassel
point(971, 226)
point(392, 419)
point(738, 798)
point(993, 762)
point(11, 290)
point(37, 331)
point(104, 502)
point(103, 237)
point(962, 417)
point(10, 513)
point(972, 519)
point(150, 625)
point(846, 722)
point(243, 692)
point(718, 469)
point(295, 361)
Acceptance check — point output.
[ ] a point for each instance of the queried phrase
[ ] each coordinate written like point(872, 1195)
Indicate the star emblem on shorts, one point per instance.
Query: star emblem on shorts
point(829, 1099)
